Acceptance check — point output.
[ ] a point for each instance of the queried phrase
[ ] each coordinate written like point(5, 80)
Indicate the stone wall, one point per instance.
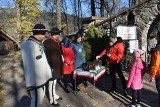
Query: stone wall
point(145, 14)
point(144, 17)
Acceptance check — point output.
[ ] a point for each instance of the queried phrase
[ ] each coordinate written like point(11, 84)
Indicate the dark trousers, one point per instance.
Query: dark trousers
point(80, 80)
point(136, 94)
point(116, 68)
point(158, 88)
point(67, 78)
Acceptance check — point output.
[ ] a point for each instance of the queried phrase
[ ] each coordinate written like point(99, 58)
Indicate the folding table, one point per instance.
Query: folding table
point(95, 74)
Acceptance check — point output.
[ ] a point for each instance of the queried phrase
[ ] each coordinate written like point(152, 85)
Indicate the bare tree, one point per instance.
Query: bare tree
point(79, 8)
point(110, 6)
point(65, 11)
point(102, 8)
point(75, 12)
point(107, 6)
point(58, 13)
point(132, 2)
point(49, 12)
point(93, 9)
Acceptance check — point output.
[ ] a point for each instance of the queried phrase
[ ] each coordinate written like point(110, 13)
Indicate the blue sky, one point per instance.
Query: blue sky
point(6, 3)
point(85, 6)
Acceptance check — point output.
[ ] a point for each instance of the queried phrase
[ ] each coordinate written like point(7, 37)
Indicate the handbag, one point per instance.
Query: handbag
point(87, 66)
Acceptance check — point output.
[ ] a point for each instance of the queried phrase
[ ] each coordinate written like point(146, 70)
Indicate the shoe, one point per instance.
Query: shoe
point(130, 105)
point(138, 105)
point(66, 90)
point(54, 103)
point(125, 92)
point(111, 90)
point(57, 104)
point(60, 98)
point(85, 84)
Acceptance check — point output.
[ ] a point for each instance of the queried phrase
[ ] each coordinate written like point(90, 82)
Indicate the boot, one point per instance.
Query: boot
point(112, 90)
point(66, 90)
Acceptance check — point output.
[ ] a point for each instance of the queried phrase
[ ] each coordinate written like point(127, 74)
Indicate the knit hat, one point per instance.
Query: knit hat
point(113, 35)
point(138, 52)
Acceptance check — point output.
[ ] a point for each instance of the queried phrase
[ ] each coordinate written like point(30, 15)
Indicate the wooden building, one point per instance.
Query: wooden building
point(7, 43)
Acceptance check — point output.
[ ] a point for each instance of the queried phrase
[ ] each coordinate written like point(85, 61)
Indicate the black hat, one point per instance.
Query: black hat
point(55, 31)
point(39, 28)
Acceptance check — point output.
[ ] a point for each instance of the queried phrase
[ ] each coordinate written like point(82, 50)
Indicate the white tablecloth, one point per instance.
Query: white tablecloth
point(95, 74)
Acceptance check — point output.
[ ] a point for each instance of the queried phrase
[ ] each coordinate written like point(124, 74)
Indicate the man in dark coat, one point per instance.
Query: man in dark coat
point(55, 60)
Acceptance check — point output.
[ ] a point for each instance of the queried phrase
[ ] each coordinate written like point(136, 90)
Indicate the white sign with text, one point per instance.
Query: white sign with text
point(133, 44)
point(127, 33)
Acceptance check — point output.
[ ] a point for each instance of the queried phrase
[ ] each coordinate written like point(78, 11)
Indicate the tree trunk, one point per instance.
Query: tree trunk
point(129, 3)
point(75, 16)
point(78, 14)
point(18, 20)
point(102, 8)
point(81, 12)
point(58, 14)
point(65, 14)
point(93, 10)
point(18, 15)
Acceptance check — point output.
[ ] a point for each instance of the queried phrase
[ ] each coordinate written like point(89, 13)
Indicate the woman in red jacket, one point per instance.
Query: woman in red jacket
point(68, 55)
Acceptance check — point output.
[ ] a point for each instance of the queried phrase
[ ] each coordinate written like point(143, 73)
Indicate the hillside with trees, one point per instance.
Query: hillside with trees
point(17, 17)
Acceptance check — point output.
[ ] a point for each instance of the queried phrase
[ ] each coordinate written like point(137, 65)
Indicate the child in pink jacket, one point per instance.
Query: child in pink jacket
point(135, 81)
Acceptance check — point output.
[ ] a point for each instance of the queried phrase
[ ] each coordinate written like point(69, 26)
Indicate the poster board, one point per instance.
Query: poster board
point(133, 44)
point(127, 32)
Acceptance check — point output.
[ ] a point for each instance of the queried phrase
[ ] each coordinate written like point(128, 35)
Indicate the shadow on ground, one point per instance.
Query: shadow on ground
point(149, 97)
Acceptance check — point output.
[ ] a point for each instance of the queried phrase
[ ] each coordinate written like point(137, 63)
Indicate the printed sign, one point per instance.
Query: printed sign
point(133, 44)
point(127, 33)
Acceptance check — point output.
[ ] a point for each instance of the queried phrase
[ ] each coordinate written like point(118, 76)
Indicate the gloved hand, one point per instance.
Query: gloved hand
point(108, 54)
point(151, 79)
point(97, 57)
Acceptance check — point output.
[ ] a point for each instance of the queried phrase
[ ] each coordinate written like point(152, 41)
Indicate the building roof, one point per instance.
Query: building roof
point(8, 36)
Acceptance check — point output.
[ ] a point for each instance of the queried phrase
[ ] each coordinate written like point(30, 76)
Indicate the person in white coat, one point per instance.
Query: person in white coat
point(36, 68)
